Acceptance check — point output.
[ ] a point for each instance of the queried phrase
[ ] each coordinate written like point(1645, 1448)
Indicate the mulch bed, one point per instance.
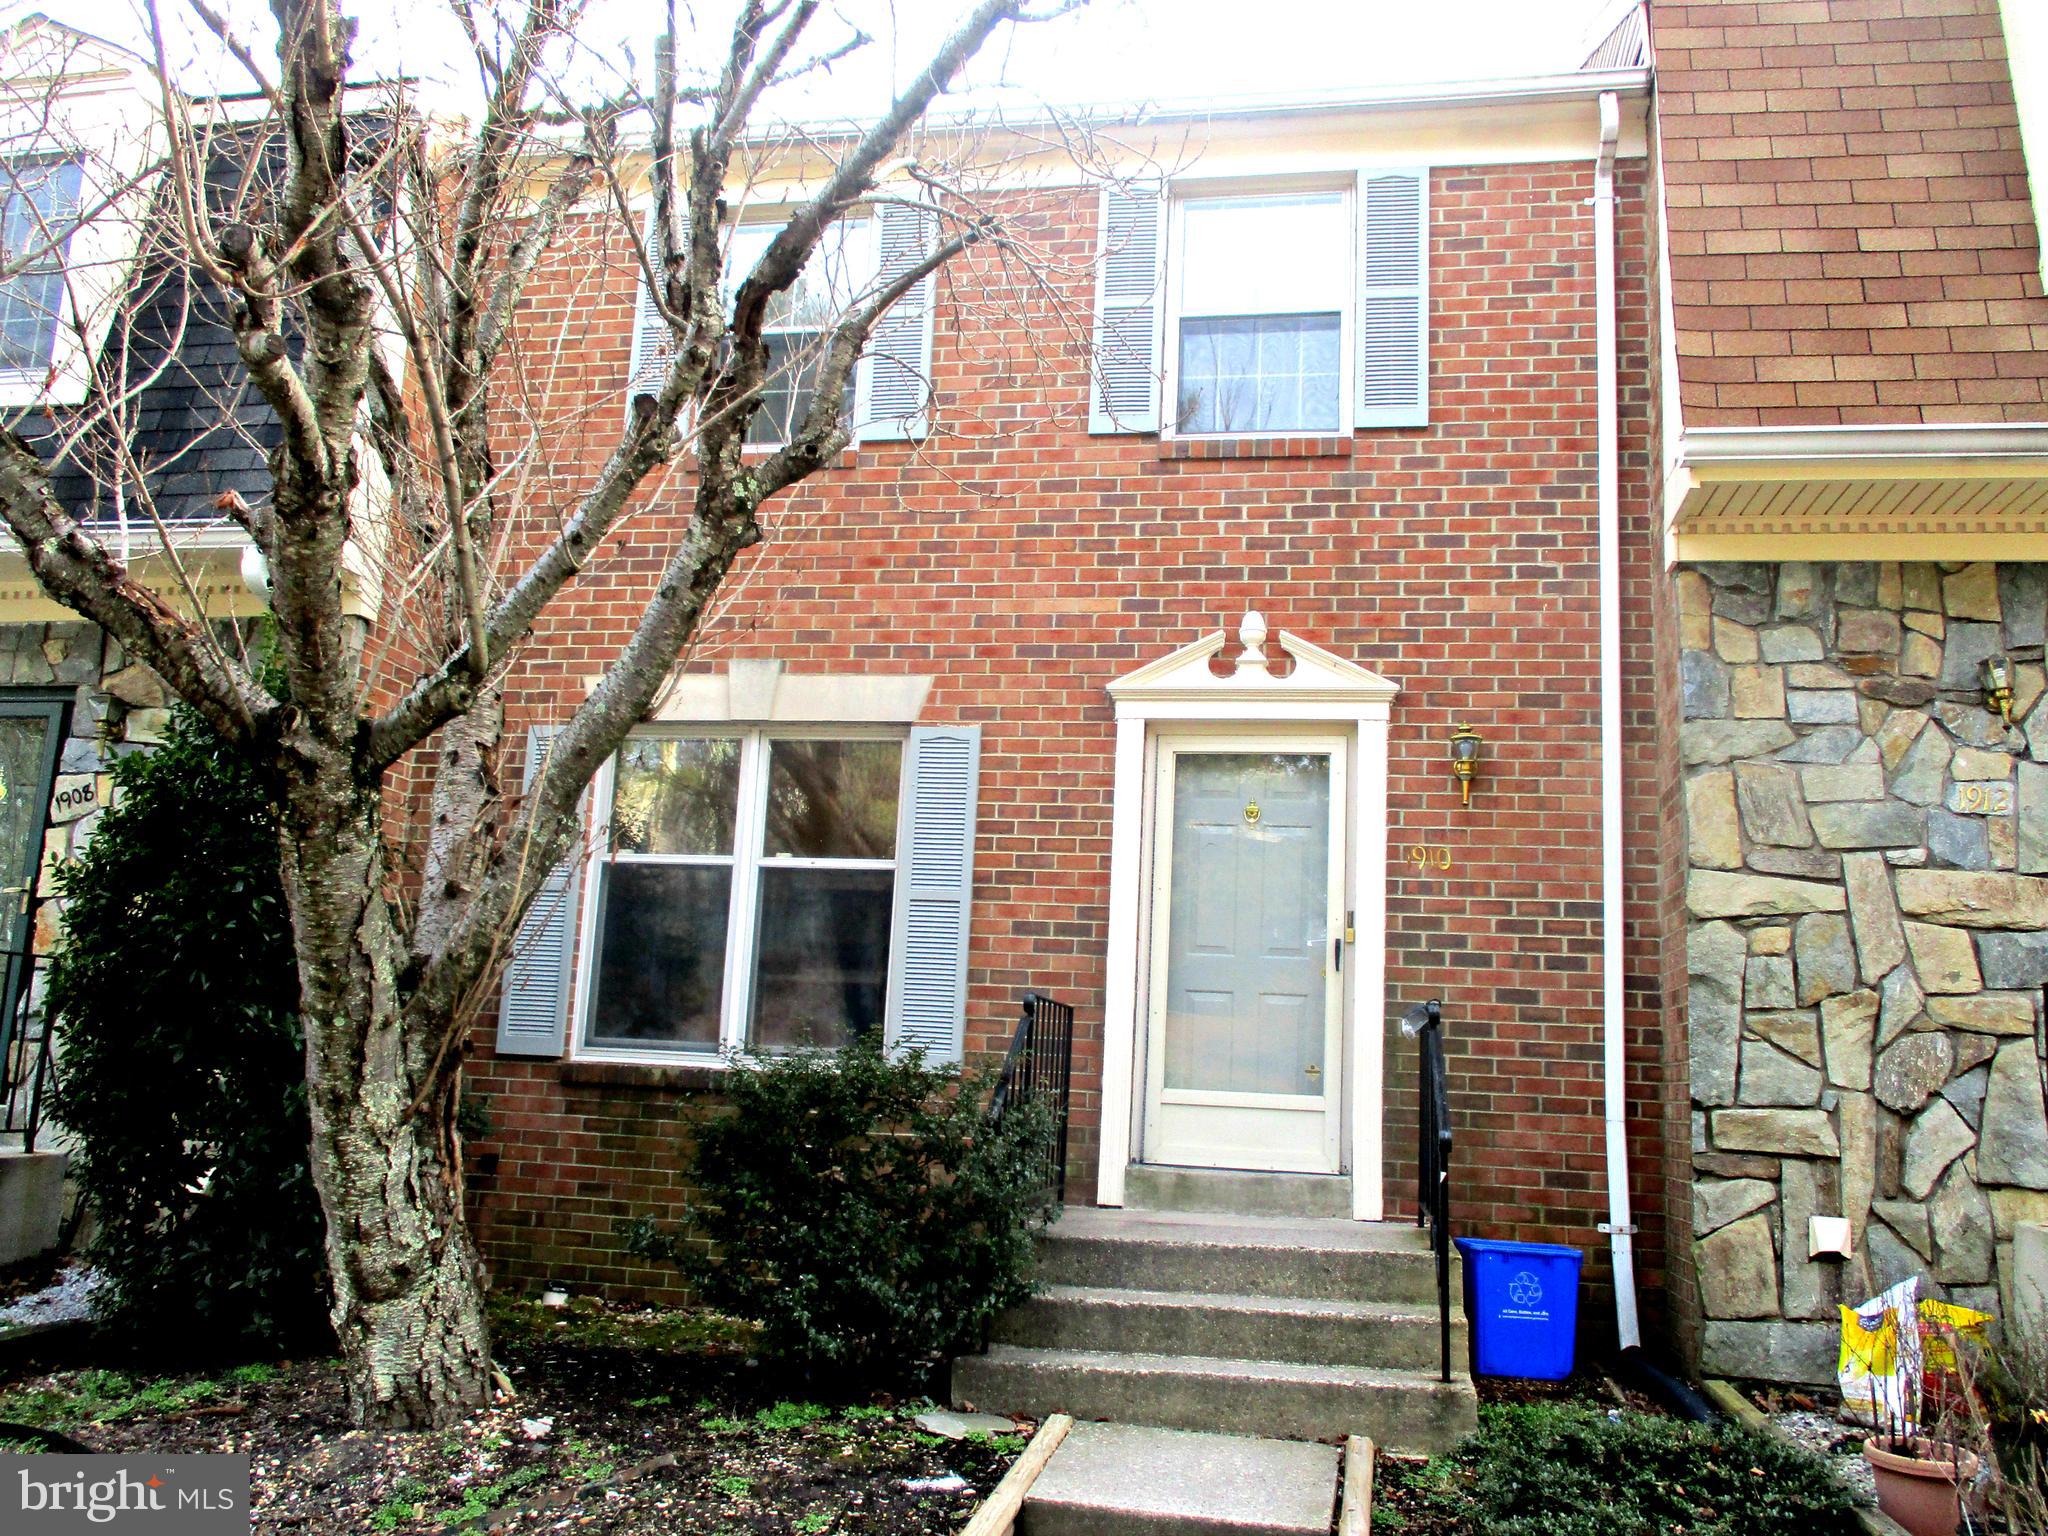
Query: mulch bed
point(632, 1424)
point(1586, 1384)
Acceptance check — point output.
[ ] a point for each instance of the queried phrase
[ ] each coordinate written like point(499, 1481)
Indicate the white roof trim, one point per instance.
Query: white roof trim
point(1586, 85)
point(1318, 676)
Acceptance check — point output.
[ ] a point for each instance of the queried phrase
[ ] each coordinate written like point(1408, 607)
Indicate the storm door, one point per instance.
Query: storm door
point(1246, 1008)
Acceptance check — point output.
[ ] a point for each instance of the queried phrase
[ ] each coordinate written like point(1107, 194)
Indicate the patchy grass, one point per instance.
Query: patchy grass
point(80, 1398)
point(586, 1323)
point(1551, 1469)
point(622, 1423)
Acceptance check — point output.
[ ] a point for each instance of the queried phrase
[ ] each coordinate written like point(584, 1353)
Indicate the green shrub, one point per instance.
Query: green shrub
point(1550, 1470)
point(181, 1068)
point(861, 1211)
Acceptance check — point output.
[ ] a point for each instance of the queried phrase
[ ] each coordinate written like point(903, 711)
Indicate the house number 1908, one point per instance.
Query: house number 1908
point(1428, 856)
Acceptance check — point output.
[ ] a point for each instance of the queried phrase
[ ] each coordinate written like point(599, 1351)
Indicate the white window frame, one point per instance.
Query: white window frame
point(748, 857)
point(63, 234)
point(1345, 189)
point(94, 103)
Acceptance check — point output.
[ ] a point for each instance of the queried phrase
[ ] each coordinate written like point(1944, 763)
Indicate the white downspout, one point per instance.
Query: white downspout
point(1619, 1226)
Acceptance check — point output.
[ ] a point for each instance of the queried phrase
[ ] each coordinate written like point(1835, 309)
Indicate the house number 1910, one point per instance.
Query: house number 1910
point(1428, 856)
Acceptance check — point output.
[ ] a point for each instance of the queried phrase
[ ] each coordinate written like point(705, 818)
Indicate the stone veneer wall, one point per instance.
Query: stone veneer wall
point(1867, 939)
point(119, 707)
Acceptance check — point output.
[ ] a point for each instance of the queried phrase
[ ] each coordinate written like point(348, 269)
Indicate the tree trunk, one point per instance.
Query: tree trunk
point(407, 1284)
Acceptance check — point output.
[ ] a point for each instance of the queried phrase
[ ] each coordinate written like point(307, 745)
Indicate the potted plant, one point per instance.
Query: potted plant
point(1924, 1473)
point(1921, 1480)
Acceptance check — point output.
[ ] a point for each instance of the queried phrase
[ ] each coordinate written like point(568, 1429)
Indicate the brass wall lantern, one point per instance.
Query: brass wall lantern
point(1465, 758)
point(1997, 670)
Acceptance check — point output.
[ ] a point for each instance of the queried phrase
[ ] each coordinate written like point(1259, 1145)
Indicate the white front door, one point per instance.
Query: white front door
point(1247, 1010)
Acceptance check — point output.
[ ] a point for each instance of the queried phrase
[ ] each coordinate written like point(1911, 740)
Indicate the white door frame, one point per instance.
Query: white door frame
point(1320, 689)
point(1253, 1113)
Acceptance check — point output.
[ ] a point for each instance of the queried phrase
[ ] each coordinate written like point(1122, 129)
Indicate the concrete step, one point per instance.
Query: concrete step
point(1312, 1331)
point(1404, 1411)
point(1155, 1187)
point(1310, 1257)
point(1124, 1480)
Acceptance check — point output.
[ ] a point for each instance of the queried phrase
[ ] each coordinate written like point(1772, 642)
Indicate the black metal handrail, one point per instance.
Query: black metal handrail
point(1039, 1068)
point(1424, 1023)
point(25, 1063)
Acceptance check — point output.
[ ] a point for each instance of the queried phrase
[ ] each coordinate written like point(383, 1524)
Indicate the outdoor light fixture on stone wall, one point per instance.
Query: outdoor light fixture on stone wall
point(1997, 671)
point(1465, 758)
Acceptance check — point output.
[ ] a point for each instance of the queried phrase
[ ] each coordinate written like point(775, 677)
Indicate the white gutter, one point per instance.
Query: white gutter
point(1905, 444)
point(1521, 90)
point(1619, 1226)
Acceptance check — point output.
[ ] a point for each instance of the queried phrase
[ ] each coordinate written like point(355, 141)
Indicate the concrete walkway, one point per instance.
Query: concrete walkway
point(1121, 1480)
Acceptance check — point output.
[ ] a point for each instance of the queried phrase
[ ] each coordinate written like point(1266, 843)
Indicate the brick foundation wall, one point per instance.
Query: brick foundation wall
point(1023, 565)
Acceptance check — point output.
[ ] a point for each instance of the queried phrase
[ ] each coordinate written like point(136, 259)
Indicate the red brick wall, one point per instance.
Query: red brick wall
point(1851, 237)
point(1024, 565)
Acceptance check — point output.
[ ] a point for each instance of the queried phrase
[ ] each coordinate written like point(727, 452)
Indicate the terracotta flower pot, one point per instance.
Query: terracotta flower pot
point(1922, 1491)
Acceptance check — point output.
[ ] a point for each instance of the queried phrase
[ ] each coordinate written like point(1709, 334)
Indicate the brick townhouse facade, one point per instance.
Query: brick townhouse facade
point(1016, 565)
point(1676, 424)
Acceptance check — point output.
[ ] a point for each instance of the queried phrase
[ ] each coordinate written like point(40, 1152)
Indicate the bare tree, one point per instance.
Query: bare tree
point(377, 276)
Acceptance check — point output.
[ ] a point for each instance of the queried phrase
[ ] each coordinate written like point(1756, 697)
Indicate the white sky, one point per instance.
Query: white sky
point(1113, 50)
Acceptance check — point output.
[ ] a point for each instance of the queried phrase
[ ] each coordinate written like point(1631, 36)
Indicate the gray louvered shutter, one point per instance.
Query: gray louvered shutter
point(934, 891)
point(1130, 301)
point(533, 1009)
point(896, 370)
point(654, 344)
point(1393, 298)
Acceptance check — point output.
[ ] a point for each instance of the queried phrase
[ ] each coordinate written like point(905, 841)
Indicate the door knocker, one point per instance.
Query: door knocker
point(1251, 814)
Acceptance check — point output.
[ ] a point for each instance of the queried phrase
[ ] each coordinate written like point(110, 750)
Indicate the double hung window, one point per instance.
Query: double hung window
point(1297, 305)
point(800, 318)
point(745, 892)
point(39, 204)
point(1263, 299)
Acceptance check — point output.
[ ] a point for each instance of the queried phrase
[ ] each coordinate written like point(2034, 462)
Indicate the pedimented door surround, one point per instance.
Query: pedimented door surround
point(1186, 691)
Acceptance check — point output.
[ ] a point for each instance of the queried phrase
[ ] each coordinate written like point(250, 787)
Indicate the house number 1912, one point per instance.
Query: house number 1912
point(1428, 856)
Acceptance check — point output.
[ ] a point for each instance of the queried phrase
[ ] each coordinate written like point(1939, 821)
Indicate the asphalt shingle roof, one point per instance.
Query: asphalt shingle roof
point(195, 426)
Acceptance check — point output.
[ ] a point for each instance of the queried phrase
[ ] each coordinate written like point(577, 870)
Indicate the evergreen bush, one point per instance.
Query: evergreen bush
point(1548, 1469)
point(181, 1073)
point(863, 1212)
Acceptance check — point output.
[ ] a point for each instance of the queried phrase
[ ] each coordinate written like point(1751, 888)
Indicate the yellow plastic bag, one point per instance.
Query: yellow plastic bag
point(1938, 1319)
point(1879, 1366)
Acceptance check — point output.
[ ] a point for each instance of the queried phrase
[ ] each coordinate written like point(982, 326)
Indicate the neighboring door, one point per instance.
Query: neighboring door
point(1246, 1016)
point(31, 733)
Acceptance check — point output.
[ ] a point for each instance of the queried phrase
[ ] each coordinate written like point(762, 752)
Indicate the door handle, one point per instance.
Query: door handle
point(1337, 952)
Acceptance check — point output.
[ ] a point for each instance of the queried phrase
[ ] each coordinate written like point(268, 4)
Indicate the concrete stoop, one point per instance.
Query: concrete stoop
point(1287, 1326)
point(31, 1203)
point(1121, 1480)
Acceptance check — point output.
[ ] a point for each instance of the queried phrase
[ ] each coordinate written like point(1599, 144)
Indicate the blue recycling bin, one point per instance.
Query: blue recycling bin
point(1523, 1303)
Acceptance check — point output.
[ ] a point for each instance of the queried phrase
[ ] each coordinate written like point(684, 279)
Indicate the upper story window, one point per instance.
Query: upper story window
point(1263, 313)
point(890, 394)
point(39, 204)
point(1298, 306)
point(801, 317)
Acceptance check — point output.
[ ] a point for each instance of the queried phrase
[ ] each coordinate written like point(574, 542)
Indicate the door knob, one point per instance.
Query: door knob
point(1313, 1070)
